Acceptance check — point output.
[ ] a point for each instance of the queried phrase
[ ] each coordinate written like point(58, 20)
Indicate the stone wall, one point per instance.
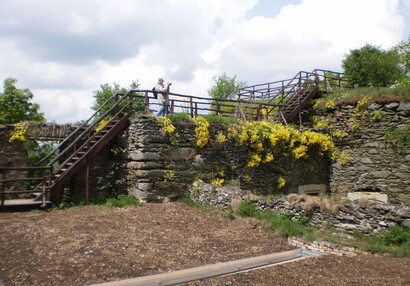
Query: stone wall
point(362, 215)
point(48, 131)
point(372, 167)
point(13, 154)
point(158, 170)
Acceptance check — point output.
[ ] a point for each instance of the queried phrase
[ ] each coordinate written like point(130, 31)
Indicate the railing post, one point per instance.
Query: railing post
point(191, 106)
point(146, 104)
point(218, 108)
point(166, 103)
point(3, 187)
point(116, 104)
point(50, 181)
point(196, 109)
point(172, 106)
point(87, 182)
point(131, 97)
point(43, 195)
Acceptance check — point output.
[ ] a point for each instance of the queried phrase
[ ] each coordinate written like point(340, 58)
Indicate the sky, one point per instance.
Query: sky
point(63, 50)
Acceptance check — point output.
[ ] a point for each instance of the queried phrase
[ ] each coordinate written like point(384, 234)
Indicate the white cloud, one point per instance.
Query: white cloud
point(63, 50)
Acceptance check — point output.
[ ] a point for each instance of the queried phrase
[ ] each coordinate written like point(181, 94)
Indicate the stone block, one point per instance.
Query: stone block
point(182, 154)
point(368, 195)
point(404, 106)
point(380, 174)
point(312, 189)
point(147, 156)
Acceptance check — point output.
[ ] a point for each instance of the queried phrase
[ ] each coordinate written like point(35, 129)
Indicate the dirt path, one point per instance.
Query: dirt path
point(85, 245)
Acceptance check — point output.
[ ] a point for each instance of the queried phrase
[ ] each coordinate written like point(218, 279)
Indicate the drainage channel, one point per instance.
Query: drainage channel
point(213, 270)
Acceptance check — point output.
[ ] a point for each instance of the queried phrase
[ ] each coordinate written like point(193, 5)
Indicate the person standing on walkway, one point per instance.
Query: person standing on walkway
point(162, 90)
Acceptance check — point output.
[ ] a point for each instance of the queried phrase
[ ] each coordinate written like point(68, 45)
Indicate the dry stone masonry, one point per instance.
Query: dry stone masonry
point(373, 169)
point(158, 169)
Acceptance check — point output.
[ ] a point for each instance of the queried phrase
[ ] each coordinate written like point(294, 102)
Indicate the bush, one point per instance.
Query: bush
point(284, 225)
point(246, 208)
point(178, 116)
point(213, 118)
point(396, 241)
point(122, 201)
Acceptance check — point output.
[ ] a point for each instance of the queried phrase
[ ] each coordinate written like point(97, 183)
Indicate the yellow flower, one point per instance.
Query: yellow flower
point(254, 161)
point(220, 138)
point(201, 131)
point(19, 133)
point(281, 183)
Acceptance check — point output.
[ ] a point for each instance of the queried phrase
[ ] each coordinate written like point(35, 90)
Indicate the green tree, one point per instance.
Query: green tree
point(16, 105)
point(403, 51)
point(107, 91)
point(370, 66)
point(225, 87)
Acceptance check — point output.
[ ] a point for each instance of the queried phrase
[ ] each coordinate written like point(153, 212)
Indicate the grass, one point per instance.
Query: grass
point(395, 241)
point(213, 118)
point(188, 201)
point(121, 201)
point(382, 94)
point(178, 116)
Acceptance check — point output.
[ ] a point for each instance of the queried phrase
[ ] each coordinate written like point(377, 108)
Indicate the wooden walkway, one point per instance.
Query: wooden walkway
point(23, 202)
point(208, 271)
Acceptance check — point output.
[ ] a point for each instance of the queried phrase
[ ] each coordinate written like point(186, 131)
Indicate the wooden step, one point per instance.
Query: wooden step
point(24, 202)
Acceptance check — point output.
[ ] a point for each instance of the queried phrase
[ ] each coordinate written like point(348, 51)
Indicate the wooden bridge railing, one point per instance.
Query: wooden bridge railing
point(325, 79)
point(195, 106)
point(43, 174)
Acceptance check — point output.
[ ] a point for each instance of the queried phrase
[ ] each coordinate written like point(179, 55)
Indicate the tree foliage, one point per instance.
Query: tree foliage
point(107, 91)
point(225, 87)
point(370, 66)
point(403, 52)
point(16, 105)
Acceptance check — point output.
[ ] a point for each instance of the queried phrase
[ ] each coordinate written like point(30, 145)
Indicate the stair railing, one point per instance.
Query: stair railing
point(78, 134)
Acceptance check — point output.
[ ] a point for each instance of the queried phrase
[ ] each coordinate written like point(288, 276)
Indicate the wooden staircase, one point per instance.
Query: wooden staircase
point(294, 105)
point(285, 99)
point(73, 152)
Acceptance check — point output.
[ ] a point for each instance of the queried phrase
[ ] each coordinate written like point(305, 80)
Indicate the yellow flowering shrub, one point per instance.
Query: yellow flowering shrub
point(300, 152)
point(316, 102)
point(220, 139)
point(363, 104)
point(330, 104)
point(281, 182)
point(201, 131)
point(318, 142)
point(19, 133)
point(254, 161)
point(268, 158)
point(265, 139)
point(167, 126)
point(343, 158)
point(102, 123)
point(218, 182)
point(339, 134)
point(169, 175)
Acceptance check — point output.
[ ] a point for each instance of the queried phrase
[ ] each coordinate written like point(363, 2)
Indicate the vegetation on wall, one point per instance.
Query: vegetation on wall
point(265, 141)
point(398, 138)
